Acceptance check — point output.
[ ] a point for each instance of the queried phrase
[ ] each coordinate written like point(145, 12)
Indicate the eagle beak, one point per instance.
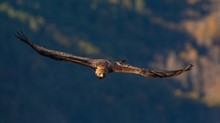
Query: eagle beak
point(102, 75)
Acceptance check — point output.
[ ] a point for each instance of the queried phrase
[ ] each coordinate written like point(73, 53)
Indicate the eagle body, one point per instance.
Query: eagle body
point(102, 67)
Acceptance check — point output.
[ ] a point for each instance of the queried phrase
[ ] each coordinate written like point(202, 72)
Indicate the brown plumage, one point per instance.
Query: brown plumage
point(102, 67)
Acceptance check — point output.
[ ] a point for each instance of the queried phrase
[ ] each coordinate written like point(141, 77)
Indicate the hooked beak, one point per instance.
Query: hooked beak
point(101, 76)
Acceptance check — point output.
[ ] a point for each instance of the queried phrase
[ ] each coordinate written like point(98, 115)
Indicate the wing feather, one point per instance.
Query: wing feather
point(118, 67)
point(56, 55)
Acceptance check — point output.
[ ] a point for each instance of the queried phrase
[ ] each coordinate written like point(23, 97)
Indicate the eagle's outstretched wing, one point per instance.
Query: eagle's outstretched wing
point(61, 56)
point(119, 67)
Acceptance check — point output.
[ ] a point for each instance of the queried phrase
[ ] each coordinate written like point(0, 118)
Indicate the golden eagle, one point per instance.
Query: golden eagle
point(102, 67)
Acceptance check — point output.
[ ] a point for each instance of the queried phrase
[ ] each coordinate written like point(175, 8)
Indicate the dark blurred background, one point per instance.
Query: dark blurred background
point(155, 34)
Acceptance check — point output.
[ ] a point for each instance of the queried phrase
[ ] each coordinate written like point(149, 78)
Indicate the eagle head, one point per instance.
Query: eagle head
point(101, 72)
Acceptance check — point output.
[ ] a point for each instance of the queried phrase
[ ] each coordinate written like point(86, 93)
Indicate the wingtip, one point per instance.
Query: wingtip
point(20, 35)
point(189, 67)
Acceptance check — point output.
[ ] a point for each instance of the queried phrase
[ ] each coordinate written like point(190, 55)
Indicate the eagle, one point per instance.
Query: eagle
point(101, 67)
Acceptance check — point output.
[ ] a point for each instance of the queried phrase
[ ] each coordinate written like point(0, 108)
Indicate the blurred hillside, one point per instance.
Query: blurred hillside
point(154, 34)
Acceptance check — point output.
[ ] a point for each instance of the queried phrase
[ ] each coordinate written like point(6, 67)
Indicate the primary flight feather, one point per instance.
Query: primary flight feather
point(102, 67)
